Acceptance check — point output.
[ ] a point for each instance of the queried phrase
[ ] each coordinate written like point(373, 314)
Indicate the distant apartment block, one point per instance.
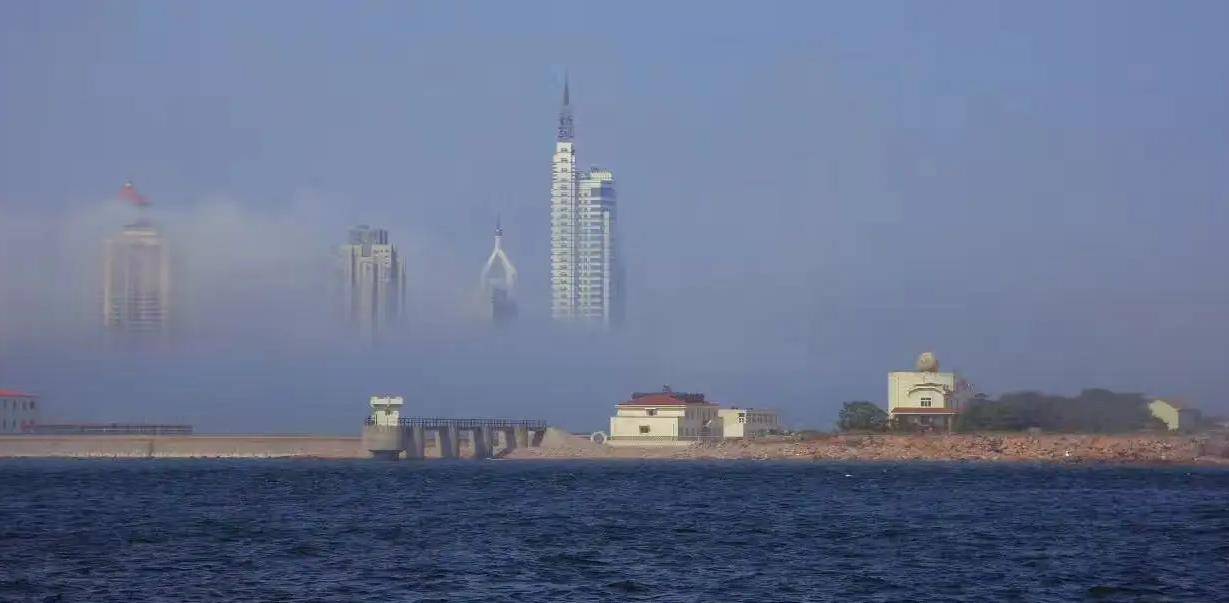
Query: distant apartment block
point(373, 277)
point(137, 280)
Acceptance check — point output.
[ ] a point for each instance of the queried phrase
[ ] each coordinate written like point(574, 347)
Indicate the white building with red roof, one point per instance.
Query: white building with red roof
point(665, 417)
point(18, 411)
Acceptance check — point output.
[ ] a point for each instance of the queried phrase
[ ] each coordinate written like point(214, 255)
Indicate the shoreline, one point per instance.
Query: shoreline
point(1056, 449)
point(1064, 449)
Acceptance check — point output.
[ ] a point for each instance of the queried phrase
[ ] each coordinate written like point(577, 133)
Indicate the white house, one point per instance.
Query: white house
point(665, 417)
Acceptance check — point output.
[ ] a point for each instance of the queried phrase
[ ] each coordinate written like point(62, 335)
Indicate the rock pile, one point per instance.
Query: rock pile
point(1072, 448)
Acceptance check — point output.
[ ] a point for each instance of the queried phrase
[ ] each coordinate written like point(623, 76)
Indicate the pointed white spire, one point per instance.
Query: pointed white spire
point(499, 259)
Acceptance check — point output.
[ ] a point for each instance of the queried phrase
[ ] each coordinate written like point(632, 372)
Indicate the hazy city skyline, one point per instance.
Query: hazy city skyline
point(817, 193)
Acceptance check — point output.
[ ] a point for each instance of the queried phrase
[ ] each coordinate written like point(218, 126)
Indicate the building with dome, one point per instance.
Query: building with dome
point(926, 398)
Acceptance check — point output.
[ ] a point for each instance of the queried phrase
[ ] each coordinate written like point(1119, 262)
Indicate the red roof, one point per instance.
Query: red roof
point(909, 410)
point(8, 393)
point(129, 193)
point(660, 400)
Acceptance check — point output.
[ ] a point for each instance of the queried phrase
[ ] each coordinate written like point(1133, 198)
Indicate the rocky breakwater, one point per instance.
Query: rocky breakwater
point(1074, 448)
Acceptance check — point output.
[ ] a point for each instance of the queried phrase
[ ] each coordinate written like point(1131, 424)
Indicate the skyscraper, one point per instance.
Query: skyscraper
point(563, 217)
point(136, 275)
point(373, 276)
point(498, 283)
point(599, 296)
point(585, 275)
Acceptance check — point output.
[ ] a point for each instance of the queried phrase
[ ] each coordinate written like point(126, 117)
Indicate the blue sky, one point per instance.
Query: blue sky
point(811, 194)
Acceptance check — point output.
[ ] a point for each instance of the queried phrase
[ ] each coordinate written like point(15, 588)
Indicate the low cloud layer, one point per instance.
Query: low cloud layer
point(809, 196)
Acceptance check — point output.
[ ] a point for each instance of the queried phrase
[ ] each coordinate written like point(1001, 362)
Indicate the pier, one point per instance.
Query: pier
point(409, 437)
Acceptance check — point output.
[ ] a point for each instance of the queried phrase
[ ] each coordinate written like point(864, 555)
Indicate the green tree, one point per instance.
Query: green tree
point(1093, 411)
point(862, 416)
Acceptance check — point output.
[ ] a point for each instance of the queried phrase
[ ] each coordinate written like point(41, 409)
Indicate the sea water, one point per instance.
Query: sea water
point(199, 530)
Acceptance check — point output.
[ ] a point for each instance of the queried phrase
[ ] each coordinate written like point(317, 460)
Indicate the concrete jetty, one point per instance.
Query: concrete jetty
point(181, 446)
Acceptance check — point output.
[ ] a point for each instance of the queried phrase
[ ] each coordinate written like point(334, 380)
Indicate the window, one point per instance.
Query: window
point(644, 429)
point(926, 402)
point(652, 412)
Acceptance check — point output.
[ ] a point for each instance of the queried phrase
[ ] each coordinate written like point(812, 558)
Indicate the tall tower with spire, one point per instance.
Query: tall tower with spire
point(563, 216)
point(498, 282)
point(585, 275)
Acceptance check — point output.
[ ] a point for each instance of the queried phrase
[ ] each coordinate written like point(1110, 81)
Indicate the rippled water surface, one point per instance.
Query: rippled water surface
point(620, 531)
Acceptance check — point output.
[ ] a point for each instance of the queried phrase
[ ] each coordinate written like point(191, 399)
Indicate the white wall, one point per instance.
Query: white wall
point(748, 422)
point(907, 388)
point(686, 421)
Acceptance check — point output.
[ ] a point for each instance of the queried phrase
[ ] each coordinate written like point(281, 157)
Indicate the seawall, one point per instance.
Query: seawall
point(195, 446)
point(1049, 448)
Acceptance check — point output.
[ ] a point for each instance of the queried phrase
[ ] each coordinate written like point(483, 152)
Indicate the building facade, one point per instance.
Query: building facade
point(597, 267)
point(373, 277)
point(664, 417)
point(18, 412)
point(585, 271)
point(498, 283)
point(137, 280)
point(1177, 416)
point(748, 422)
point(926, 398)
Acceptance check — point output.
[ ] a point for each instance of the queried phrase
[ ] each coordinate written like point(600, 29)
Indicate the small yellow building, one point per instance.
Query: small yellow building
point(664, 417)
point(748, 422)
point(926, 398)
point(1177, 416)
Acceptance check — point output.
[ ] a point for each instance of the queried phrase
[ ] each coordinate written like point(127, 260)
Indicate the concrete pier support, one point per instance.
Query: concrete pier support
point(450, 445)
point(390, 436)
point(509, 439)
point(481, 437)
point(415, 442)
point(383, 441)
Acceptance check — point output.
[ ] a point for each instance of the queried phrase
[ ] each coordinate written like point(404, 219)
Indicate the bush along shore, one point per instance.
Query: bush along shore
point(1141, 449)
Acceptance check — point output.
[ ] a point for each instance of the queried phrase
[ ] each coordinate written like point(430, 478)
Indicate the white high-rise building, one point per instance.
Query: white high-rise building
point(136, 296)
point(585, 274)
point(597, 265)
point(373, 274)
